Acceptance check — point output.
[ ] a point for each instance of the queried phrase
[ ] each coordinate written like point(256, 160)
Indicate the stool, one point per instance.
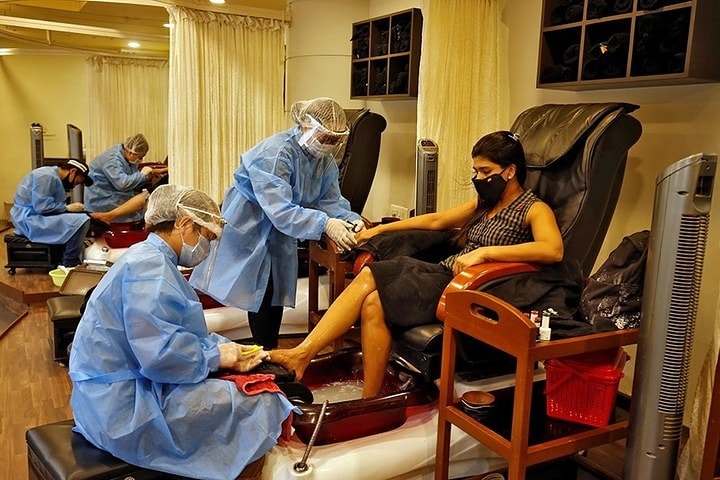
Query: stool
point(55, 452)
point(22, 253)
point(64, 312)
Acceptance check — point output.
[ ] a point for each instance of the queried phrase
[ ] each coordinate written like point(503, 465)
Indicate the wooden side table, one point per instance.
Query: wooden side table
point(322, 253)
point(501, 325)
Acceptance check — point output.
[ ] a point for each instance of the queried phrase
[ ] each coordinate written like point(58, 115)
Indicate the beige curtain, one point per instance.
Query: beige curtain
point(458, 99)
point(127, 96)
point(691, 456)
point(226, 93)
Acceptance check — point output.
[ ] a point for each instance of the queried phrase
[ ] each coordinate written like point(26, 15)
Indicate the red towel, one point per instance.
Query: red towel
point(252, 384)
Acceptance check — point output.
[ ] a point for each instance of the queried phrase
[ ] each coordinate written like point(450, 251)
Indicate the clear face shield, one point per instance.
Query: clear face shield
point(215, 223)
point(320, 141)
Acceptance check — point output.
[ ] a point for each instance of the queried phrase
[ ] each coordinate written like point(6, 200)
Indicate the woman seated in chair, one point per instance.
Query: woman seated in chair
point(505, 223)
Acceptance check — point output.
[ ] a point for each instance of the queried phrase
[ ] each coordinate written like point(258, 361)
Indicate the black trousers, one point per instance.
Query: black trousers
point(265, 324)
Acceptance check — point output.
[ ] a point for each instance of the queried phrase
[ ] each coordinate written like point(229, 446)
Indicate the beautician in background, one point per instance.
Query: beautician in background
point(142, 354)
point(286, 189)
point(41, 213)
point(117, 178)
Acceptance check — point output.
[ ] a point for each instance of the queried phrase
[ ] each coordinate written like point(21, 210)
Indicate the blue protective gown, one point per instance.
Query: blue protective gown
point(116, 181)
point(280, 194)
point(139, 363)
point(39, 210)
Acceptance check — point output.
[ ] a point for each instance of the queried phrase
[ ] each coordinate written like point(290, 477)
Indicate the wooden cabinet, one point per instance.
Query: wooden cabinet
point(593, 44)
point(386, 56)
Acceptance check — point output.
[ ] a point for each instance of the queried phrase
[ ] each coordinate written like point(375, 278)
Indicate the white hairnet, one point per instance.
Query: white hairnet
point(137, 144)
point(170, 202)
point(325, 111)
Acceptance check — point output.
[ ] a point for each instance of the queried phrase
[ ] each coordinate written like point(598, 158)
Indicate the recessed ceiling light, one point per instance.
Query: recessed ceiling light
point(134, 44)
point(168, 25)
point(217, 2)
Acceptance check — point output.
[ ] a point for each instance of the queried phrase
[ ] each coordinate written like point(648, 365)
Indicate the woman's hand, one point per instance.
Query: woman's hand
point(479, 255)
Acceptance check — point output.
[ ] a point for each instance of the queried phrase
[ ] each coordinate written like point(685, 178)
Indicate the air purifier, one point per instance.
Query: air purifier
point(37, 146)
point(426, 177)
point(676, 252)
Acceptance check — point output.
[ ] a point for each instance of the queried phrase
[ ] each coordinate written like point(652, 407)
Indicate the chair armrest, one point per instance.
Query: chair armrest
point(477, 275)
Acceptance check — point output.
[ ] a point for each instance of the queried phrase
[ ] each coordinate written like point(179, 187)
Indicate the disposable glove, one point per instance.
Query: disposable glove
point(75, 207)
point(358, 226)
point(341, 233)
point(241, 358)
point(146, 171)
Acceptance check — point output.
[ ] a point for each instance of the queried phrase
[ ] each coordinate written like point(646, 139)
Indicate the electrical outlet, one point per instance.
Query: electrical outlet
point(398, 211)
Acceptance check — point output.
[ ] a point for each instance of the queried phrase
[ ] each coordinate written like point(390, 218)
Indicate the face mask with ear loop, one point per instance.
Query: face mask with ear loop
point(490, 189)
point(191, 256)
point(210, 248)
point(67, 183)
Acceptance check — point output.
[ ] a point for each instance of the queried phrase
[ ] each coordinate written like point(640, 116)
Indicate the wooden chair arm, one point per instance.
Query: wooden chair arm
point(473, 277)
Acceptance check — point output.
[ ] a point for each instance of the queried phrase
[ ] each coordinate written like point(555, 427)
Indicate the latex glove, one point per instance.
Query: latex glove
point(341, 233)
point(75, 207)
point(358, 226)
point(249, 360)
point(146, 171)
point(241, 358)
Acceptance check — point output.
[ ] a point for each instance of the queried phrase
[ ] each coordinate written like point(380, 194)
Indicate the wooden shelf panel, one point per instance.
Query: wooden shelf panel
point(386, 56)
point(643, 43)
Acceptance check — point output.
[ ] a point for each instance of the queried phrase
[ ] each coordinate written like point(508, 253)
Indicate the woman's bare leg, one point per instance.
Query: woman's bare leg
point(376, 342)
point(339, 318)
point(130, 206)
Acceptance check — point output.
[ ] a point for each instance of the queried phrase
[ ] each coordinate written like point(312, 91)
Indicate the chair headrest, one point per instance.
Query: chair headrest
point(548, 132)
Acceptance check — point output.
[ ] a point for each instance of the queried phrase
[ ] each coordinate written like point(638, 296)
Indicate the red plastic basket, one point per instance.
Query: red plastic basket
point(583, 388)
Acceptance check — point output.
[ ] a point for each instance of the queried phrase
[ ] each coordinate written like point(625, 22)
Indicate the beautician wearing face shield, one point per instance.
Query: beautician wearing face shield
point(142, 354)
point(41, 213)
point(286, 189)
point(117, 178)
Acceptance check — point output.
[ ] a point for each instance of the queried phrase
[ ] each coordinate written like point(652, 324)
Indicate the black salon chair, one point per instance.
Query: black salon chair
point(576, 157)
point(360, 156)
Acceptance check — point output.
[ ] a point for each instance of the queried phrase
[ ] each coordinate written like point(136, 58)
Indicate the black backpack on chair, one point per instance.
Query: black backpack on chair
point(612, 299)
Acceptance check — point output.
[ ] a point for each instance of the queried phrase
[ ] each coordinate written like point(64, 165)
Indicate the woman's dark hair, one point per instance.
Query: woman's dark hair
point(504, 149)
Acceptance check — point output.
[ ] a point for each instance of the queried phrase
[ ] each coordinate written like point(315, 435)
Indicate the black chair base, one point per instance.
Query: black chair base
point(64, 313)
point(55, 452)
point(22, 253)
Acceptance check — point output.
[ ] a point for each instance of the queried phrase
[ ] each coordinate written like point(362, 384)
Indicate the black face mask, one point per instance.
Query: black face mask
point(491, 188)
point(67, 183)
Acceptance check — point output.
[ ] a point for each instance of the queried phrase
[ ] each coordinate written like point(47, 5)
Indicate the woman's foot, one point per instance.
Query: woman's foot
point(291, 360)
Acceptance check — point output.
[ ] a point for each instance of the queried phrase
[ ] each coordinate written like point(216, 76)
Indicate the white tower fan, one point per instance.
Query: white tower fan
point(676, 252)
point(426, 177)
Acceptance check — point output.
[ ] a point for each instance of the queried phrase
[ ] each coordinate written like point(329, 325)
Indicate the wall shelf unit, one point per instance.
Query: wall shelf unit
point(386, 56)
point(595, 44)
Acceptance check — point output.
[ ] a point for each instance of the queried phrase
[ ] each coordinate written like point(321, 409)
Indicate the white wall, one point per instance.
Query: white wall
point(50, 90)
